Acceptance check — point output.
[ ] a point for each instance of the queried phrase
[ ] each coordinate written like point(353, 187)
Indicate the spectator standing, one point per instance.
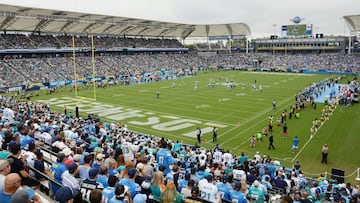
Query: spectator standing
point(208, 188)
point(129, 182)
point(164, 157)
point(17, 166)
point(90, 184)
point(324, 152)
point(109, 192)
point(170, 194)
point(237, 196)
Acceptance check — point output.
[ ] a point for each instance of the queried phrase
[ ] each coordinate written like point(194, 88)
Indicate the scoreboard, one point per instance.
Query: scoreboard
point(296, 30)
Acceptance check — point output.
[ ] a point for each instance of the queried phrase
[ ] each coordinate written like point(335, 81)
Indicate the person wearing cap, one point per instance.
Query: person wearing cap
point(5, 169)
point(256, 192)
point(121, 195)
point(68, 156)
point(195, 196)
point(17, 166)
point(12, 185)
point(235, 195)
point(68, 178)
point(99, 160)
point(224, 189)
point(90, 184)
point(65, 195)
point(208, 188)
point(57, 169)
point(109, 191)
point(134, 188)
point(324, 153)
point(140, 198)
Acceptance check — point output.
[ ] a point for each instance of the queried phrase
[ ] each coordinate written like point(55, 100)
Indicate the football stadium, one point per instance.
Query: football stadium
point(104, 108)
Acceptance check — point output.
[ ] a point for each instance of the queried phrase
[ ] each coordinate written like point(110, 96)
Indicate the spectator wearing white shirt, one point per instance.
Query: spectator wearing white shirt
point(227, 157)
point(210, 190)
point(59, 143)
point(31, 157)
point(5, 168)
point(129, 150)
point(68, 178)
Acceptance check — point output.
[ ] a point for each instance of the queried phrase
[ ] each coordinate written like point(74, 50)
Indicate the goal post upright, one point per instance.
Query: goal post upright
point(93, 64)
point(74, 59)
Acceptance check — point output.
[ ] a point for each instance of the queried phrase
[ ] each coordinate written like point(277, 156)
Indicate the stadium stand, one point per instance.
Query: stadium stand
point(135, 159)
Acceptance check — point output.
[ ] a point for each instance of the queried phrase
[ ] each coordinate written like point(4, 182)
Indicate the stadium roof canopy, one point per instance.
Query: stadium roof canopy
point(354, 22)
point(17, 18)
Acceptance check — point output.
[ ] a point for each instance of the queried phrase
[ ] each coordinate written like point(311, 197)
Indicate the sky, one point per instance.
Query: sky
point(264, 17)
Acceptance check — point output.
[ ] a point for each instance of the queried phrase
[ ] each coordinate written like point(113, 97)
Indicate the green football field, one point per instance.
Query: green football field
point(238, 114)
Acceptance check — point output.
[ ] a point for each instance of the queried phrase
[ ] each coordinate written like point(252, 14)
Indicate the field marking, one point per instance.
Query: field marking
point(158, 112)
point(119, 95)
point(202, 106)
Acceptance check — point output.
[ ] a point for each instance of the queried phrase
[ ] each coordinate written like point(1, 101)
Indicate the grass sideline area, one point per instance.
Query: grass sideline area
point(238, 114)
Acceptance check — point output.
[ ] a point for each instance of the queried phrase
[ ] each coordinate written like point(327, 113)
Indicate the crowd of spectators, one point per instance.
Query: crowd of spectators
point(59, 68)
point(109, 162)
point(22, 41)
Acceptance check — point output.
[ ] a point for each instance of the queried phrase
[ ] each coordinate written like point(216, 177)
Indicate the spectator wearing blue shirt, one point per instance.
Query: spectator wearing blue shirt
point(129, 182)
point(103, 176)
point(164, 157)
point(237, 196)
point(109, 191)
point(57, 169)
point(224, 189)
